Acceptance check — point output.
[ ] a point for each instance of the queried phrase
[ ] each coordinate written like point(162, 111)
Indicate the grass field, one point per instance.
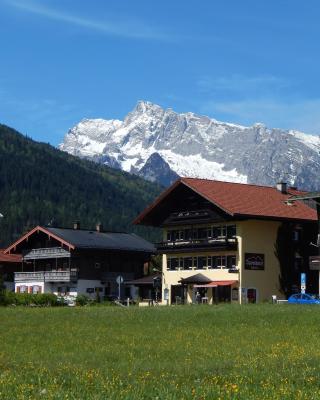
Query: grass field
point(183, 352)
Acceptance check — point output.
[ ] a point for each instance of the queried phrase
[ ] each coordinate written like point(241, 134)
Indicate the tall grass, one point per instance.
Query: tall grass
point(183, 352)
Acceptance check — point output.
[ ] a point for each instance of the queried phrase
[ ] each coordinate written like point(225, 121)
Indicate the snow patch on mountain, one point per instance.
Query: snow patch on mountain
point(195, 166)
point(311, 141)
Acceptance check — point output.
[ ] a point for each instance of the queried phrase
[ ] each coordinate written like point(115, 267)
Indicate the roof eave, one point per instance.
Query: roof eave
point(138, 220)
point(36, 229)
point(273, 218)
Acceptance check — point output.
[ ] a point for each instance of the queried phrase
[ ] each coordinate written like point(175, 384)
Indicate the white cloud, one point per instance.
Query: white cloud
point(123, 28)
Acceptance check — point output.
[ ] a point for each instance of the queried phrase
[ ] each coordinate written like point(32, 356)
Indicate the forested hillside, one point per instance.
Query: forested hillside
point(42, 185)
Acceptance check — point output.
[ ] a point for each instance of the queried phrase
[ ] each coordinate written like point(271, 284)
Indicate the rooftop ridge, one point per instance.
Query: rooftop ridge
point(240, 183)
point(228, 182)
point(83, 229)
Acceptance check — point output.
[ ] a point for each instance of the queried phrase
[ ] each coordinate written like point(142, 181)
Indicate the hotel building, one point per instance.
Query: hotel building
point(220, 240)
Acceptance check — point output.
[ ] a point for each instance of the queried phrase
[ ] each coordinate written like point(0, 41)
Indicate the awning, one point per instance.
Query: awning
point(216, 284)
point(198, 279)
point(146, 280)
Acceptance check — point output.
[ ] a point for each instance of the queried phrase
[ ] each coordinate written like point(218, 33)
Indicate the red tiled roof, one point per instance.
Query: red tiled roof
point(251, 200)
point(238, 199)
point(10, 258)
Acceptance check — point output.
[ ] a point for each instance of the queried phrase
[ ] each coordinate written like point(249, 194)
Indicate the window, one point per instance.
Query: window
point(195, 262)
point(231, 231)
point(215, 232)
point(23, 289)
point(223, 231)
point(202, 233)
point(219, 262)
point(223, 261)
point(296, 235)
point(202, 261)
point(231, 262)
point(36, 289)
point(173, 263)
point(209, 262)
point(188, 263)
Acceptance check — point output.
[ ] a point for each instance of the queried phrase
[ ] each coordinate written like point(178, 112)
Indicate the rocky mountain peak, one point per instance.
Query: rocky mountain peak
point(161, 144)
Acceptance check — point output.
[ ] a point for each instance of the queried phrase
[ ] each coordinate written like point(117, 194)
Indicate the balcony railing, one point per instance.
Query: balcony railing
point(223, 243)
point(46, 276)
point(47, 252)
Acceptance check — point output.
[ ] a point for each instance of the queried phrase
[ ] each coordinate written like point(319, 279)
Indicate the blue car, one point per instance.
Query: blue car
point(303, 298)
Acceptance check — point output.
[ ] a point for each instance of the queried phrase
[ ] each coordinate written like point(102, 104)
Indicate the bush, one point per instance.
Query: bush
point(8, 298)
point(82, 300)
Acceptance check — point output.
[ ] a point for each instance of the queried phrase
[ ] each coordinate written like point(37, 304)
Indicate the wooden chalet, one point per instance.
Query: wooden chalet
point(76, 261)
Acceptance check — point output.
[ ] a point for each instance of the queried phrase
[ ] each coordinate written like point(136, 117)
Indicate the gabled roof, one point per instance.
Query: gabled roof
point(80, 238)
point(85, 239)
point(241, 200)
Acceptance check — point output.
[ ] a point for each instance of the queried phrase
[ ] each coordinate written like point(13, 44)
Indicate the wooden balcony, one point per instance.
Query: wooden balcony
point(45, 253)
point(45, 276)
point(181, 246)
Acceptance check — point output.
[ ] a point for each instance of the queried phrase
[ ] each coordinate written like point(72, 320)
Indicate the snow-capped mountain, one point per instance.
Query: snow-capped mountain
point(161, 145)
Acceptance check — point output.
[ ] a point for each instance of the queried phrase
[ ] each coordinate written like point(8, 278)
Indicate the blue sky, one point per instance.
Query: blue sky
point(239, 61)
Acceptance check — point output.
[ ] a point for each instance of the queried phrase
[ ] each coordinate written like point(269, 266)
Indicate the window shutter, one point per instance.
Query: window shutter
point(18, 289)
point(30, 289)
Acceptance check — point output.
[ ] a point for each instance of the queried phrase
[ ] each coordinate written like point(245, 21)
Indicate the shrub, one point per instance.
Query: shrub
point(82, 300)
point(26, 299)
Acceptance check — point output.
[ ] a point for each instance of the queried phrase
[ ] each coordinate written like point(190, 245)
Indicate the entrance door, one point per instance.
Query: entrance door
point(177, 294)
point(221, 294)
point(252, 295)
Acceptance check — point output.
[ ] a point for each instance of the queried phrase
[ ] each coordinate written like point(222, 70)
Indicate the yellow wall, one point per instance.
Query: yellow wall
point(173, 277)
point(260, 237)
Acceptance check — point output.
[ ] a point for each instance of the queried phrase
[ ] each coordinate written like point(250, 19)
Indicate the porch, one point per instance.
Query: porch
point(199, 289)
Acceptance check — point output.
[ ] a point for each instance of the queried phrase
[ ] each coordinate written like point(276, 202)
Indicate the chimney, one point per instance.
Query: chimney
point(76, 225)
point(282, 187)
point(99, 227)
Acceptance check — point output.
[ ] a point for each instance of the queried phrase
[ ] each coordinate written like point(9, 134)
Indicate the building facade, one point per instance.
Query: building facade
point(76, 261)
point(220, 240)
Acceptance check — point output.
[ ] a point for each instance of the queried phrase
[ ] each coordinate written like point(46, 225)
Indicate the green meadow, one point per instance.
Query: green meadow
point(182, 352)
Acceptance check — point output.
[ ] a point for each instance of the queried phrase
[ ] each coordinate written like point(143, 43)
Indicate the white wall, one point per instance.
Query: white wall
point(79, 288)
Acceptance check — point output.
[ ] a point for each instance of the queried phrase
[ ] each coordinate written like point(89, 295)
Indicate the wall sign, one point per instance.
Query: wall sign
point(254, 261)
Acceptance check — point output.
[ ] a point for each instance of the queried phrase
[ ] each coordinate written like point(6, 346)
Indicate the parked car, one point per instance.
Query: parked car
point(303, 298)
